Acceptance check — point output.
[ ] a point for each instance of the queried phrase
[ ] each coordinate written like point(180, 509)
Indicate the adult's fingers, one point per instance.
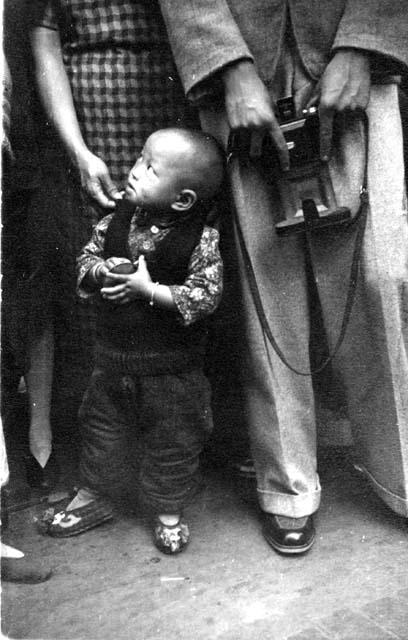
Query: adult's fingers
point(94, 188)
point(110, 187)
point(279, 143)
point(98, 183)
point(326, 133)
point(314, 98)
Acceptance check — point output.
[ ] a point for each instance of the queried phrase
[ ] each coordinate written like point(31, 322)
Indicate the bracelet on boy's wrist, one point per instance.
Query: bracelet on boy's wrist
point(152, 292)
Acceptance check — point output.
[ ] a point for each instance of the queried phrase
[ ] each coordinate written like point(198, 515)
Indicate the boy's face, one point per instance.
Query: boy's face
point(155, 181)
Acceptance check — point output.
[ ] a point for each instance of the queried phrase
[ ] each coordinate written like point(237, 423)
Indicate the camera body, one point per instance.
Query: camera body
point(301, 134)
point(306, 190)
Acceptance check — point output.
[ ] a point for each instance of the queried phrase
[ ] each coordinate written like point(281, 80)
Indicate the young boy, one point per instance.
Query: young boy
point(151, 334)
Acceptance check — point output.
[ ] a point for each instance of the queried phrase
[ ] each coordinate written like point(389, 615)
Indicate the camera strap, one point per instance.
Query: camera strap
point(359, 220)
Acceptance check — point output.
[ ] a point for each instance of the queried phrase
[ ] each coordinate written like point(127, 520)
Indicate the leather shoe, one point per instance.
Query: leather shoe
point(289, 535)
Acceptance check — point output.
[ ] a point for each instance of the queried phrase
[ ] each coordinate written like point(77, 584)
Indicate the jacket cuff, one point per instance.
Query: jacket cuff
point(211, 90)
point(373, 44)
point(210, 67)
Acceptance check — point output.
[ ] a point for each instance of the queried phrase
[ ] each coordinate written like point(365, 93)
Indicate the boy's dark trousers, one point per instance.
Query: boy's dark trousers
point(170, 415)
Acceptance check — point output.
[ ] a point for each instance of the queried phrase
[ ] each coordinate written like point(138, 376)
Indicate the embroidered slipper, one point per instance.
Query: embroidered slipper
point(171, 539)
point(61, 523)
point(44, 519)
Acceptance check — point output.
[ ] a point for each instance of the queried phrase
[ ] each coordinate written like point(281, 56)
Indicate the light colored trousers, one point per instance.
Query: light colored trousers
point(373, 360)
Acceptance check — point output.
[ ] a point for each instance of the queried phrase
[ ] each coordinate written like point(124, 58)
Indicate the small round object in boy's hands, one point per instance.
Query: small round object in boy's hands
point(123, 266)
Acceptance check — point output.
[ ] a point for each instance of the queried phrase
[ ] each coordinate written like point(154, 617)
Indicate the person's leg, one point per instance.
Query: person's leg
point(107, 411)
point(177, 420)
point(373, 360)
point(14, 304)
point(15, 566)
point(279, 403)
point(38, 379)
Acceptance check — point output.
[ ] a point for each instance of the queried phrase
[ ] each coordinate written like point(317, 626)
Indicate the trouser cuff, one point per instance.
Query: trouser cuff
point(291, 506)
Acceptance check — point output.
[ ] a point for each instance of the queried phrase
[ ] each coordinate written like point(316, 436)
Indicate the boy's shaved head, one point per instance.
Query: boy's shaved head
point(198, 157)
point(176, 169)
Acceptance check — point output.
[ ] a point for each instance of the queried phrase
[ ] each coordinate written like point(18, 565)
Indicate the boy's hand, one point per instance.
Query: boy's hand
point(129, 287)
point(103, 270)
point(98, 273)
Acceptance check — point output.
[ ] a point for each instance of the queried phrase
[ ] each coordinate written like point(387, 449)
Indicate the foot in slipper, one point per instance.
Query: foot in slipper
point(73, 520)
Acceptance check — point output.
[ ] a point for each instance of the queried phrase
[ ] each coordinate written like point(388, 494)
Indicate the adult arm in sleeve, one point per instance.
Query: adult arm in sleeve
point(55, 93)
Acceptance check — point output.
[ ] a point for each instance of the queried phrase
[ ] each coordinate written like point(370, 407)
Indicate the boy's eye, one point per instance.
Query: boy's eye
point(150, 168)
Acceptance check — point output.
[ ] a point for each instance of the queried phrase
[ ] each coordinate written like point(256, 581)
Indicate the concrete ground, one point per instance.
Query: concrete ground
point(229, 585)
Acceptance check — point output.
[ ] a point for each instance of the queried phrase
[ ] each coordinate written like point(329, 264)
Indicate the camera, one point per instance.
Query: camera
point(301, 134)
point(306, 190)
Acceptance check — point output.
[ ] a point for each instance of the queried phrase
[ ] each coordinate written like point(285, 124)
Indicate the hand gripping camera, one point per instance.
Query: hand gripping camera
point(306, 190)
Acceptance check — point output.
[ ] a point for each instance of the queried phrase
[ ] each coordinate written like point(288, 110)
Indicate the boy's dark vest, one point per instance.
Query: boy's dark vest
point(152, 340)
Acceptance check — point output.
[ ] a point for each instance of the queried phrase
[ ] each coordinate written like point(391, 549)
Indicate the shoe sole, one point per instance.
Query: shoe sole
point(68, 533)
point(168, 552)
point(290, 551)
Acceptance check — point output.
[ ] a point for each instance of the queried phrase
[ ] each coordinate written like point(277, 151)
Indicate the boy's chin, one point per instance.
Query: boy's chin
point(130, 196)
point(154, 209)
point(136, 204)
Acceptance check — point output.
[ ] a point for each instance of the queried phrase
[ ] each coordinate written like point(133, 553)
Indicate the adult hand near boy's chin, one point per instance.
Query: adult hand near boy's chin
point(129, 287)
point(96, 181)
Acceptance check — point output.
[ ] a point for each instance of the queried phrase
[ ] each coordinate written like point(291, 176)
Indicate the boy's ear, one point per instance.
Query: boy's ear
point(185, 200)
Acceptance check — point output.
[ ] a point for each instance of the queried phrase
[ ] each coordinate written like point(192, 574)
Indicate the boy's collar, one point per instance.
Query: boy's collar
point(161, 220)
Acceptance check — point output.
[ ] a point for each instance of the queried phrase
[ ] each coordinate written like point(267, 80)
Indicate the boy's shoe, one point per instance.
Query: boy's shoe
point(61, 523)
point(171, 539)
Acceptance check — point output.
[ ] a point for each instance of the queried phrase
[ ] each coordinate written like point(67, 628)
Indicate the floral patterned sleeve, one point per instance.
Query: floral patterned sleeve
point(201, 292)
point(91, 254)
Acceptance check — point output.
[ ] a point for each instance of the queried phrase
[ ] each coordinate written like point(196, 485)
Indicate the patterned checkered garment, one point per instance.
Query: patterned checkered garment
point(123, 80)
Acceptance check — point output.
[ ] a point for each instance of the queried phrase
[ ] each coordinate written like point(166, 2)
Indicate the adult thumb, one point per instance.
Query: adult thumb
point(110, 187)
